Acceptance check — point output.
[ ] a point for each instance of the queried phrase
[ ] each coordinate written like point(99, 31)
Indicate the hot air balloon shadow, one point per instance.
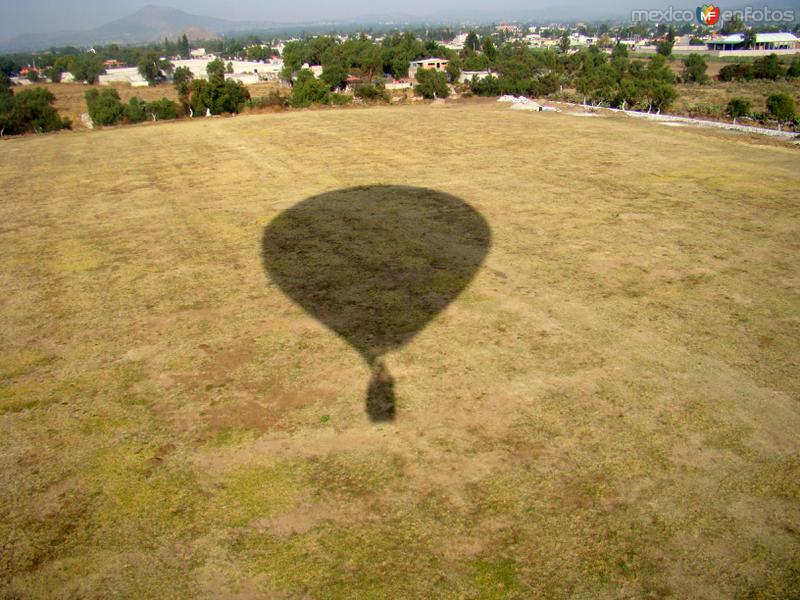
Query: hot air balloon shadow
point(375, 264)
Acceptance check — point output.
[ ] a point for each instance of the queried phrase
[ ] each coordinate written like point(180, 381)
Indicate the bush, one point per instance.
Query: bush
point(738, 107)
point(340, 99)
point(162, 110)
point(272, 100)
point(308, 90)
point(431, 84)
point(29, 111)
point(371, 91)
point(694, 69)
point(794, 69)
point(736, 72)
point(105, 107)
point(135, 110)
point(218, 96)
point(781, 107)
point(488, 86)
point(768, 67)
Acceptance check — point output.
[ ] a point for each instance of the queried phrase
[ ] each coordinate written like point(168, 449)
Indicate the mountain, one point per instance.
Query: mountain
point(149, 24)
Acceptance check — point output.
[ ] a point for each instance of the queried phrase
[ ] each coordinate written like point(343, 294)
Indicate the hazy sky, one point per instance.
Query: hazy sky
point(30, 16)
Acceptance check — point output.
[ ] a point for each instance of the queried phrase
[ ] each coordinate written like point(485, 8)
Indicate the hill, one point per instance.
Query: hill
point(149, 24)
point(606, 408)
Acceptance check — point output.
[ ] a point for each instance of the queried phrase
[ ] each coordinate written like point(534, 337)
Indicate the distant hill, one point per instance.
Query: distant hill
point(149, 24)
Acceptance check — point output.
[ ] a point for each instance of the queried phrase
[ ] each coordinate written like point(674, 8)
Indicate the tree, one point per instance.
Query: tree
point(619, 51)
point(564, 42)
point(216, 69)
point(431, 84)
point(768, 67)
point(782, 108)
point(105, 107)
point(489, 49)
point(738, 107)
point(453, 71)
point(749, 38)
point(308, 90)
point(659, 95)
point(294, 55)
point(182, 80)
point(218, 96)
point(472, 42)
point(371, 91)
point(229, 67)
point(794, 69)
point(162, 109)
point(664, 48)
point(153, 68)
point(735, 25)
point(87, 67)
point(183, 46)
point(335, 76)
point(135, 111)
point(736, 72)
point(29, 111)
point(694, 69)
point(33, 75)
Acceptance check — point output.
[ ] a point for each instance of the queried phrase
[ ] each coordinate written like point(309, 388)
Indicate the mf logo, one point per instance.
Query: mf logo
point(708, 14)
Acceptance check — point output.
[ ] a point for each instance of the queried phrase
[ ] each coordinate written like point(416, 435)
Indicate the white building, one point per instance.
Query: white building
point(467, 76)
point(763, 41)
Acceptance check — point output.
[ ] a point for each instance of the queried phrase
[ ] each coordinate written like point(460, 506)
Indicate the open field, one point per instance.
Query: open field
point(608, 408)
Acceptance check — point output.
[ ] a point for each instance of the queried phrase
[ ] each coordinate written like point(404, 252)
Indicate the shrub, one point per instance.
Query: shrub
point(135, 110)
point(272, 100)
point(29, 111)
point(308, 90)
point(371, 91)
point(340, 99)
point(738, 107)
point(162, 110)
point(694, 69)
point(218, 96)
point(488, 86)
point(105, 107)
point(431, 84)
point(736, 72)
point(768, 67)
point(781, 107)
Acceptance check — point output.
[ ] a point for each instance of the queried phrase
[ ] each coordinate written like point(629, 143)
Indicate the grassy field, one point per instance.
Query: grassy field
point(608, 409)
point(714, 96)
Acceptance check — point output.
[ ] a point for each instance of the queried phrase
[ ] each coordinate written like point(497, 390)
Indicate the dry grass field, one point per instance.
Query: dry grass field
point(606, 408)
point(716, 94)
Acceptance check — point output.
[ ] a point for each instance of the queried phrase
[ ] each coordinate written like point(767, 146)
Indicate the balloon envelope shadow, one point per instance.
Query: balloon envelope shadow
point(375, 264)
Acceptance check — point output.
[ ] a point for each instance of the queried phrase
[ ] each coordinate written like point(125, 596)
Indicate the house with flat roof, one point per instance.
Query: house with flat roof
point(763, 41)
point(437, 64)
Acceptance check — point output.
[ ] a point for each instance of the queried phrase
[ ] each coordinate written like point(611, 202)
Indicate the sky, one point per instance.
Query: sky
point(35, 16)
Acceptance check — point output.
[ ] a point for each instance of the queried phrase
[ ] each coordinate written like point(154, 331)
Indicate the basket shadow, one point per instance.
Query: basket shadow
point(375, 264)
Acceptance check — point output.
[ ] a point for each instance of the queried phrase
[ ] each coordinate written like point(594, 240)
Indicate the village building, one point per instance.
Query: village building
point(468, 76)
point(763, 41)
point(437, 64)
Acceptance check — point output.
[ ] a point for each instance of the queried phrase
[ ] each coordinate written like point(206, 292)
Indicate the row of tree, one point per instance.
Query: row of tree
point(767, 67)
point(28, 111)
point(780, 107)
